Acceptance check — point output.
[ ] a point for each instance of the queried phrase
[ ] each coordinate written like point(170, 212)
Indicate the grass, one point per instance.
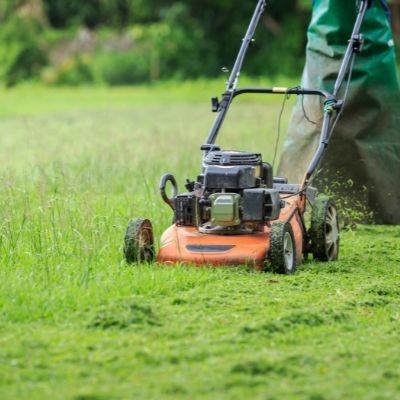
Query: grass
point(77, 323)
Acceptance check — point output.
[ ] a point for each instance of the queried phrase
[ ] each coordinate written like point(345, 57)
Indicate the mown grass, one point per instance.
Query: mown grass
point(76, 322)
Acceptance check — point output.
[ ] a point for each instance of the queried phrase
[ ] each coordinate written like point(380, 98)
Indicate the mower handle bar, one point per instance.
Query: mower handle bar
point(231, 85)
point(331, 105)
point(283, 90)
point(247, 40)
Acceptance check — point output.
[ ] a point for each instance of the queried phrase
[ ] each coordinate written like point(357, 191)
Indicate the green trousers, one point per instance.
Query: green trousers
point(362, 163)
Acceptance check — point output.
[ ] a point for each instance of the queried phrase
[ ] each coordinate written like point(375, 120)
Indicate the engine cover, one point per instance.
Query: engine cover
point(232, 158)
point(230, 177)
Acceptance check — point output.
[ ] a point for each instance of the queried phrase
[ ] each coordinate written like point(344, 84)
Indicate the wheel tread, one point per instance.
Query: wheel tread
point(276, 258)
point(133, 248)
point(319, 240)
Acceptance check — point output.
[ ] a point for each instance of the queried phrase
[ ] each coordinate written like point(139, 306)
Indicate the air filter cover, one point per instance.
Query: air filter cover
point(231, 158)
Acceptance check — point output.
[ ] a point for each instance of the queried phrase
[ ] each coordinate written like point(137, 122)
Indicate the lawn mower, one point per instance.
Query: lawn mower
point(237, 212)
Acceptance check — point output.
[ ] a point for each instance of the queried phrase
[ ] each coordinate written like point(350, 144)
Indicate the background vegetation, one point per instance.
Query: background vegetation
point(134, 41)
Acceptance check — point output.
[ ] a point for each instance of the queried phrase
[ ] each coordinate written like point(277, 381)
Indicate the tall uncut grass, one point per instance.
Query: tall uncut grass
point(74, 176)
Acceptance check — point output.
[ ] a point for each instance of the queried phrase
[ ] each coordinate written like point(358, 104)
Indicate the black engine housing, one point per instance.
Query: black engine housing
point(235, 170)
point(230, 173)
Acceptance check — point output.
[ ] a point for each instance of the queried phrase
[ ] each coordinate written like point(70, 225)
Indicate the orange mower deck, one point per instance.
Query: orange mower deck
point(188, 245)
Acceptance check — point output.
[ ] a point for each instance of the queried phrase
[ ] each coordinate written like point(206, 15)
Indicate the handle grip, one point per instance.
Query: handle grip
point(163, 183)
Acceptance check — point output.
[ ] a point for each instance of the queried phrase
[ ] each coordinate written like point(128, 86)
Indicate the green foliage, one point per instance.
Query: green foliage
point(172, 39)
point(73, 71)
point(21, 54)
point(94, 13)
point(160, 51)
point(280, 55)
point(73, 12)
point(176, 42)
point(117, 68)
point(8, 8)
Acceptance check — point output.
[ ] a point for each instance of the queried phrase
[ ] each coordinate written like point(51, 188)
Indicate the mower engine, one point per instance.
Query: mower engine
point(233, 195)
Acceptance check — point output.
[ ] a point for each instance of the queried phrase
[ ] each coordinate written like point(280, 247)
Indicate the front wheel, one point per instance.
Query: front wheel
point(324, 231)
point(281, 257)
point(139, 241)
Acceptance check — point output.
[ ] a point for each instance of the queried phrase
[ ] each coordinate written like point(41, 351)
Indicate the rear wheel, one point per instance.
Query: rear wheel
point(282, 253)
point(324, 231)
point(139, 241)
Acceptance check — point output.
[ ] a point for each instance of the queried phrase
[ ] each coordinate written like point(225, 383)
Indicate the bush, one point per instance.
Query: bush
point(178, 43)
point(73, 71)
point(21, 55)
point(94, 13)
point(117, 68)
point(160, 50)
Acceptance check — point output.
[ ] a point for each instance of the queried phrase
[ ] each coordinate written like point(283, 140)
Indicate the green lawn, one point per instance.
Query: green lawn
point(77, 323)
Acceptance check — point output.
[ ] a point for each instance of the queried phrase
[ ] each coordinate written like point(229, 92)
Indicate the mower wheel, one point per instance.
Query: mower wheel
point(324, 230)
point(139, 241)
point(281, 257)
